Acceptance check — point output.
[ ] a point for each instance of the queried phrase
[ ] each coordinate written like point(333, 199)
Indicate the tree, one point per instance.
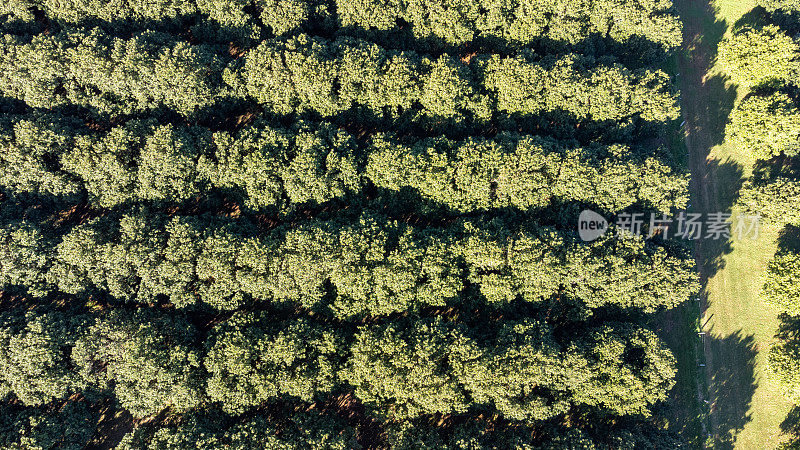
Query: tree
point(766, 126)
point(26, 254)
point(579, 87)
point(306, 430)
point(146, 357)
point(252, 360)
point(774, 199)
point(757, 56)
point(622, 369)
point(68, 426)
point(782, 361)
point(541, 265)
point(29, 146)
point(442, 23)
point(113, 76)
point(274, 166)
point(520, 374)
point(405, 369)
point(34, 356)
point(526, 172)
point(781, 287)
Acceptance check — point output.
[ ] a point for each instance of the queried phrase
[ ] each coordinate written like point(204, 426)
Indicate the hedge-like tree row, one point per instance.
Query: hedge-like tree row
point(525, 172)
point(765, 58)
point(274, 166)
point(216, 20)
point(330, 77)
point(297, 429)
point(368, 266)
point(437, 24)
point(154, 360)
point(147, 72)
point(766, 123)
point(517, 23)
point(156, 72)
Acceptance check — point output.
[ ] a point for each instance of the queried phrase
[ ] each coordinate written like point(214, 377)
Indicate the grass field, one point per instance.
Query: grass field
point(745, 408)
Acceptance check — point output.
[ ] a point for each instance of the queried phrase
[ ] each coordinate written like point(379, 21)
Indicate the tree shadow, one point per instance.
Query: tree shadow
point(713, 198)
point(789, 331)
point(731, 385)
point(754, 18)
point(789, 239)
point(791, 426)
point(707, 100)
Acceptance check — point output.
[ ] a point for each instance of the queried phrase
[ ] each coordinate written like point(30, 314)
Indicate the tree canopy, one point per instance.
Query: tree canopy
point(325, 224)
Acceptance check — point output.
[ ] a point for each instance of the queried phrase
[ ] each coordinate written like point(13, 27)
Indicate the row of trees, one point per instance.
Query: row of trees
point(330, 77)
point(69, 425)
point(334, 224)
point(368, 265)
point(149, 71)
point(277, 167)
point(153, 360)
point(437, 24)
point(156, 72)
point(764, 57)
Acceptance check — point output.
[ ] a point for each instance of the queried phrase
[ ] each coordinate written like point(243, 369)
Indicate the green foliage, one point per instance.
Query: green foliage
point(27, 155)
point(406, 370)
point(79, 11)
point(766, 126)
point(374, 265)
point(782, 285)
point(251, 360)
point(622, 369)
point(523, 172)
point(332, 77)
point(519, 23)
point(110, 75)
point(139, 161)
point(757, 56)
point(269, 166)
point(521, 374)
point(281, 166)
point(577, 86)
point(69, 426)
point(535, 264)
point(147, 357)
point(34, 356)
point(783, 362)
point(776, 200)
point(297, 430)
point(111, 256)
point(772, 5)
point(475, 434)
point(321, 214)
point(26, 254)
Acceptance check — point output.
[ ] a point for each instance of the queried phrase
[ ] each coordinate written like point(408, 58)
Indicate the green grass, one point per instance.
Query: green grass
point(748, 407)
